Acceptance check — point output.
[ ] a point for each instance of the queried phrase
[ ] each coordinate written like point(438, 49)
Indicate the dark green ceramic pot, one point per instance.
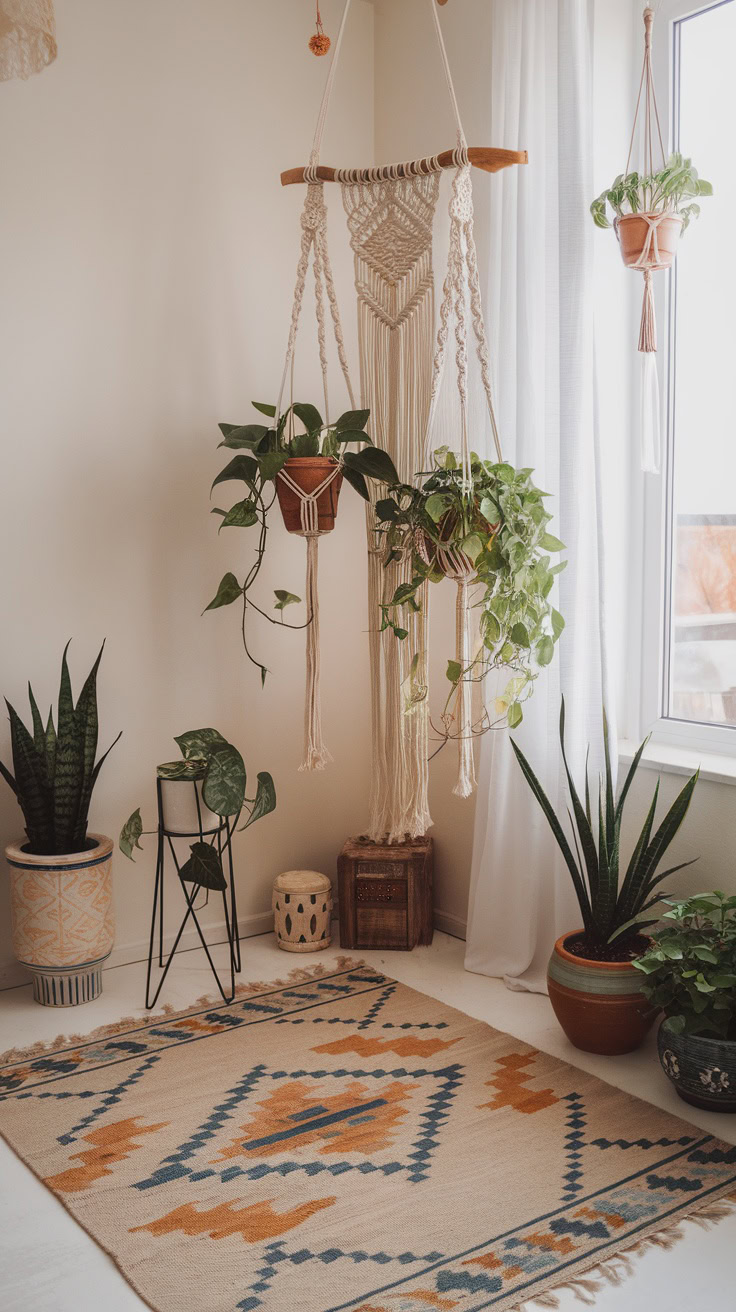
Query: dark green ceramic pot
point(703, 1071)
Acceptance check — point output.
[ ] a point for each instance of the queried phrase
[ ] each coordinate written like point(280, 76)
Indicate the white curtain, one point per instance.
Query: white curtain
point(541, 319)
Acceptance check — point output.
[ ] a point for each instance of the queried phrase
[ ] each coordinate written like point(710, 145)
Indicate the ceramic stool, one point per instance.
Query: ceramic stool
point(302, 910)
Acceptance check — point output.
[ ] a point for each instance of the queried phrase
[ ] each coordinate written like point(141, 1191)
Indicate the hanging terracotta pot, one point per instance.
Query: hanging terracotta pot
point(308, 472)
point(648, 240)
point(599, 1004)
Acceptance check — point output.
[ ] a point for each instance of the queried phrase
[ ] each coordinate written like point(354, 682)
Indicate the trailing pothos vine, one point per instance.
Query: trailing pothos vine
point(264, 451)
point(498, 525)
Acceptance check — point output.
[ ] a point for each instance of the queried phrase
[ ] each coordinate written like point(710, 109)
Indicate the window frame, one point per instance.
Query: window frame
point(658, 495)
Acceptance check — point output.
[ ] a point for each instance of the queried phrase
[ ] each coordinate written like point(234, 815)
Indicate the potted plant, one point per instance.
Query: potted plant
point(494, 533)
point(594, 987)
point(61, 899)
point(664, 201)
point(278, 462)
point(206, 787)
point(689, 973)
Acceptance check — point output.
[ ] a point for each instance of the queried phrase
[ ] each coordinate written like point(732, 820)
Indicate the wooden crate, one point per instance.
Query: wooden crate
point(385, 893)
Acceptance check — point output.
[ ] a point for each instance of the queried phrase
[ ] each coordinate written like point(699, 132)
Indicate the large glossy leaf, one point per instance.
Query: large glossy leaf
point(247, 435)
point(242, 515)
point(557, 830)
point(353, 419)
point(199, 743)
point(130, 834)
point(264, 408)
point(265, 799)
point(204, 867)
point(271, 463)
point(357, 481)
point(242, 467)
point(309, 415)
point(224, 783)
point(372, 463)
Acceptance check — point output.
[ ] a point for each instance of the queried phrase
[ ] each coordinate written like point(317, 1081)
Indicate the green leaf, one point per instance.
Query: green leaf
point(264, 409)
point(265, 799)
point(204, 867)
point(545, 650)
point(243, 467)
point(514, 715)
point(248, 436)
point(550, 543)
point(224, 784)
point(454, 671)
point(271, 463)
point(309, 415)
point(557, 622)
point(353, 420)
point(130, 834)
point(228, 591)
point(472, 545)
point(357, 481)
point(284, 599)
point(372, 463)
point(242, 515)
point(386, 509)
point(520, 635)
point(69, 773)
point(304, 444)
point(31, 786)
point(198, 744)
point(436, 505)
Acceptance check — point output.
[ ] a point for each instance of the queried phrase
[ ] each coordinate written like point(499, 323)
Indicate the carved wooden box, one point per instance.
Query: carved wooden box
point(385, 893)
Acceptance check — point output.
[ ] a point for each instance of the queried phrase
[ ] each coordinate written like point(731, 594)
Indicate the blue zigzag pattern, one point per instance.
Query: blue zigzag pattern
point(275, 1254)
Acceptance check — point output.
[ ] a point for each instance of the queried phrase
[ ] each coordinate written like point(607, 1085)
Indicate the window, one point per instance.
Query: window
point(696, 693)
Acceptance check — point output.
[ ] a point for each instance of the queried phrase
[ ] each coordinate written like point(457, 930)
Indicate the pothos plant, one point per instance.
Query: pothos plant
point(210, 760)
point(264, 451)
point(500, 524)
point(690, 968)
point(673, 188)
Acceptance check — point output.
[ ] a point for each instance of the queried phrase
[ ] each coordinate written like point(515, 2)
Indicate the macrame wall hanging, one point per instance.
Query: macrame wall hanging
point(390, 213)
point(27, 37)
point(651, 208)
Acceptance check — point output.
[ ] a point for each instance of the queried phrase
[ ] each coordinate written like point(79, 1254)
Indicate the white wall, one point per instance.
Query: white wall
point(147, 260)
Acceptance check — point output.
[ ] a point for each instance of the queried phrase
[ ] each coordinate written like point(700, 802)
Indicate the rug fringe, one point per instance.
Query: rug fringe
point(299, 975)
point(619, 1266)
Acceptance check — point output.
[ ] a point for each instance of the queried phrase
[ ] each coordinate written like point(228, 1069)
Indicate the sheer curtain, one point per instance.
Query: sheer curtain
point(541, 319)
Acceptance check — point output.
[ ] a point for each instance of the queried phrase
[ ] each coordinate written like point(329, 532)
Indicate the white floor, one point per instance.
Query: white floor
point(48, 1264)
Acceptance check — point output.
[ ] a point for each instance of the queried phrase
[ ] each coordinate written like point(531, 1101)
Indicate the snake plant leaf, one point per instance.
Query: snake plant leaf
point(564, 846)
point(240, 467)
point(130, 834)
point(265, 799)
point(630, 777)
point(309, 415)
point(7, 776)
point(200, 743)
point(69, 773)
point(39, 737)
point(610, 808)
point(624, 899)
point(204, 867)
point(224, 783)
point(85, 714)
point(228, 591)
point(32, 789)
point(662, 839)
point(372, 463)
point(50, 747)
point(587, 842)
point(354, 420)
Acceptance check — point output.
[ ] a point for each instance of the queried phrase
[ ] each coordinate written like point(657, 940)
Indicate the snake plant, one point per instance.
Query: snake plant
point(609, 906)
point(54, 767)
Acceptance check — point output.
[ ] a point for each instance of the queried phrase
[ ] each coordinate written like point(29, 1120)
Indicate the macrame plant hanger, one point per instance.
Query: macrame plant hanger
point(651, 257)
point(390, 211)
point(314, 243)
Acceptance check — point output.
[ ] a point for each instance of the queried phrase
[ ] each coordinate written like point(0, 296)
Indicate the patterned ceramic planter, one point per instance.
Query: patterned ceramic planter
point(302, 910)
point(702, 1070)
point(599, 1004)
point(63, 920)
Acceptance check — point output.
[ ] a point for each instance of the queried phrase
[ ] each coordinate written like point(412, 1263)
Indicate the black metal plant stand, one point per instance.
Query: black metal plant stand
point(221, 837)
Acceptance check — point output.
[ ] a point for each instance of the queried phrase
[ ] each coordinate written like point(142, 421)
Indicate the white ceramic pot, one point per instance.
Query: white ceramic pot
point(63, 919)
point(180, 811)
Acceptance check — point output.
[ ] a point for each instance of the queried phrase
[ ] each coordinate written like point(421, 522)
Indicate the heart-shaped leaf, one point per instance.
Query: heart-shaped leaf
point(228, 591)
point(353, 419)
point(130, 834)
point(198, 744)
point(224, 784)
point(242, 515)
point(284, 599)
point(265, 799)
point(204, 867)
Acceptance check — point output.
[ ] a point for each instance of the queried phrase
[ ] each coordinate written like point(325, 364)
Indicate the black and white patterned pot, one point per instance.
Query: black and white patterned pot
point(702, 1070)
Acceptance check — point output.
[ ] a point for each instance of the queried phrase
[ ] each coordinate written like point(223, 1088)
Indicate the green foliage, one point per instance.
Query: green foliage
point(673, 188)
point(264, 452)
point(690, 968)
point(609, 906)
point(500, 524)
point(209, 757)
point(54, 768)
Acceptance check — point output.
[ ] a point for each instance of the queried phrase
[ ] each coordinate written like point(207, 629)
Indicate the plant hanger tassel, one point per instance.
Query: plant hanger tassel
point(314, 243)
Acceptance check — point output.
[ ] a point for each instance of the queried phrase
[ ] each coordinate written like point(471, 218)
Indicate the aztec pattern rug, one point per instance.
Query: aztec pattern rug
point(342, 1142)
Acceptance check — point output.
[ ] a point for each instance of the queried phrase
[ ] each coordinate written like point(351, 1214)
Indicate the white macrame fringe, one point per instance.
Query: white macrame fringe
point(650, 423)
point(466, 781)
point(316, 755)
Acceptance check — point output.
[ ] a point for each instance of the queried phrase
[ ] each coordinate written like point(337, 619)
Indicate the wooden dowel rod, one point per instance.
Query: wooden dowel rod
point(489, 158)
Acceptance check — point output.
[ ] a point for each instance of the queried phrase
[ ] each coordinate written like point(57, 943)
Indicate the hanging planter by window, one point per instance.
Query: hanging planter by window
point(650, 210)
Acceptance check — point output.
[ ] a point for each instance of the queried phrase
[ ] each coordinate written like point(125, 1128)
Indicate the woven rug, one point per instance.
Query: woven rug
point(342, 1142)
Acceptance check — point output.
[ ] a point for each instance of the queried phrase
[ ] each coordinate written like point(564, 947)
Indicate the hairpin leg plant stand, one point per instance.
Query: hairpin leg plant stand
point(216, 831)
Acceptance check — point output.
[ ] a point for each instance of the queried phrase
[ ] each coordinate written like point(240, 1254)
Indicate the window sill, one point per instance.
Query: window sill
point(714, 766)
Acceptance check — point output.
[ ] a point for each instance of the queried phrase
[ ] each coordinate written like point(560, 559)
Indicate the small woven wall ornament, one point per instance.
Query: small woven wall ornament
point(319, 44)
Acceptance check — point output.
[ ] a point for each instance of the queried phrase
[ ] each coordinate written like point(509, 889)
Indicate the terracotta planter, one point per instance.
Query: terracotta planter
point(702, 1070)
point(632, 231)
point(599, 1004)
point(308, 472)
point(63, 919)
